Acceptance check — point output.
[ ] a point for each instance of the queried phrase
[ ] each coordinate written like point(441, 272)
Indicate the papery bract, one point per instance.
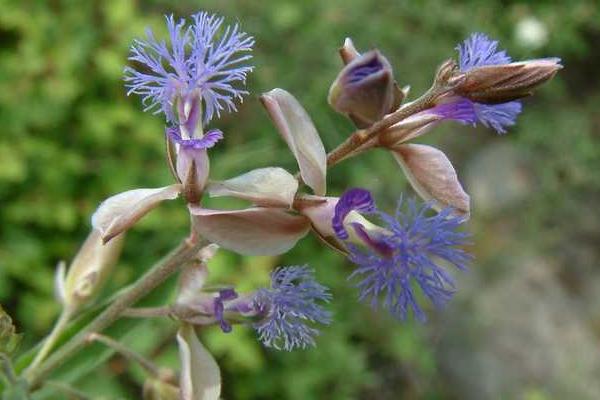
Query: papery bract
point(274, 187)
point(200, 374)
point(432, 176)
point(251, 231)
point(121, 211)
point(297, 129)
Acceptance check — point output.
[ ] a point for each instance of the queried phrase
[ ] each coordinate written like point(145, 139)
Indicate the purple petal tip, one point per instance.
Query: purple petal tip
point(353, 199)
point(207, 141)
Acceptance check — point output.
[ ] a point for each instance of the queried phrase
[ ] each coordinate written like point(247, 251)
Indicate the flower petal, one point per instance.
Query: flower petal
point(120, 212)
point(252, 231)
point(299, 132)
point(320, 215)
point(270, 187)
point(200, 374)
point(191, 282)
point(432, 176)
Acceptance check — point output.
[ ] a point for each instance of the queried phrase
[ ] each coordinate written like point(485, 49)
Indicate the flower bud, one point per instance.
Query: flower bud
point(364, 89)
point(494, 84)
point(9, 339)
point(89, 271)
point(155, 389)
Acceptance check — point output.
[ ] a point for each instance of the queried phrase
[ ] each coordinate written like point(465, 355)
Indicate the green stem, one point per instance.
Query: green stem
point(150, 280)
point(147, 312)
point(71, 392)
point(50, 341)
point(7, 369)
point(126, 352)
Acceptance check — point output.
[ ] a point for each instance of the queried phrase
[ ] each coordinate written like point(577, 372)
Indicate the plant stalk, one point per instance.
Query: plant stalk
point(186, 251)
point(50, 341)
point(361, 136)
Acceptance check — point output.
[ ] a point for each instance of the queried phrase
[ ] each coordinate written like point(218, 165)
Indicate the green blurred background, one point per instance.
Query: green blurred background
point(526, 322)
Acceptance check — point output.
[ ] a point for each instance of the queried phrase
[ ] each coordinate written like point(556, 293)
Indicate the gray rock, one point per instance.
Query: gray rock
point(522, 334)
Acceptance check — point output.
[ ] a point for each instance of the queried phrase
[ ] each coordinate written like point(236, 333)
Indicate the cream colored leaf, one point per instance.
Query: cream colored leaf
point(432, 176)
point(200, 374)
point(252, 231)
point(271, 187)
point(299, 132)
point(120, 212)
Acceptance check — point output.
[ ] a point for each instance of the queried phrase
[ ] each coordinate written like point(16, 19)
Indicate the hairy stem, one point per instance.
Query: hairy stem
point(147, 312)
point(69, 391)
point(7, 369)
point(361, 136)
point(126, 352)
point(150, 280)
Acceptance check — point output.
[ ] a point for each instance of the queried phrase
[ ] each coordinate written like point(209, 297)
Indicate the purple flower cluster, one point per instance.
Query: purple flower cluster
point(476, 51)
point(199, 58)
point(289, 306)
point(412, 250)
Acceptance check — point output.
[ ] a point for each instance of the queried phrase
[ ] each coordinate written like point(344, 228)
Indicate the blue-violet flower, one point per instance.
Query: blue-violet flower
point(202, 58)
point(479, 50)
point(288, 306)
point(411, 251)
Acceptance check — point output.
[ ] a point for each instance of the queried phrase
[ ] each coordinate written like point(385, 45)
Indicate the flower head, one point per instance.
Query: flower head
point(478, 50)
point(410, 252)
point(202, 58)
point(288, 307)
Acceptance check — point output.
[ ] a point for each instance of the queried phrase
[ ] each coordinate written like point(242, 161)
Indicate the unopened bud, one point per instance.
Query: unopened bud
point(89, 270)
point(364, 89)
point(9, 339)
point(493, 84)
point(155, 389)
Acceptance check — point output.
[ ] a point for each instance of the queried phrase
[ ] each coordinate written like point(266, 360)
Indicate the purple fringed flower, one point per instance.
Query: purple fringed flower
point(207, 141)
point(202, 57)
point(410, 252)
point(288, 306)
point(498, 116)
point(356, 199)
point(479, 50)
point(462, 110)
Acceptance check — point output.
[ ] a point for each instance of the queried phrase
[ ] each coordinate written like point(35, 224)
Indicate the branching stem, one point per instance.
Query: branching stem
point(154, 277)
point(361, 136)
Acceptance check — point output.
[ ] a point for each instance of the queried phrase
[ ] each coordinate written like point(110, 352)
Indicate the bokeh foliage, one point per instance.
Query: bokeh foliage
point(70, 138)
